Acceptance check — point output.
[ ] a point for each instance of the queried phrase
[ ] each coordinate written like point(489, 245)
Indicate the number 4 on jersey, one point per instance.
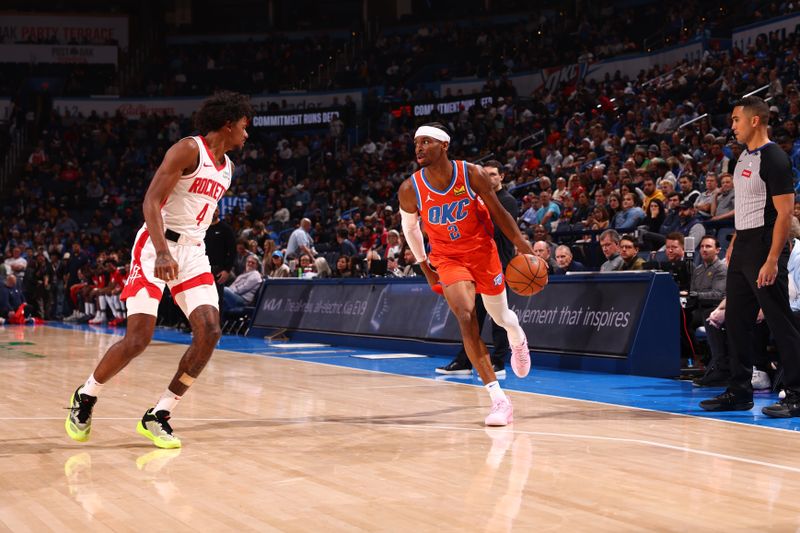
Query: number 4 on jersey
point(202, 214)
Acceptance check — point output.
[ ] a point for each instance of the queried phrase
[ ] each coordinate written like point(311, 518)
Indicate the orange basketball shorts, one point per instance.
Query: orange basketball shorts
point(485, 270)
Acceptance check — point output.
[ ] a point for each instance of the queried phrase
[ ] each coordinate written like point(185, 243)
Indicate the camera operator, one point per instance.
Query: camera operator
point(676, 263)
point(708, 283)
point(706, 291)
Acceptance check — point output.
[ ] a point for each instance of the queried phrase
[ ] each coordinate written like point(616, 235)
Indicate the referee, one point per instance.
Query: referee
point(757, 274)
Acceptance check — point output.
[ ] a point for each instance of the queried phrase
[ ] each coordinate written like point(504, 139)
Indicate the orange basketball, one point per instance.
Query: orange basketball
point(526, 274)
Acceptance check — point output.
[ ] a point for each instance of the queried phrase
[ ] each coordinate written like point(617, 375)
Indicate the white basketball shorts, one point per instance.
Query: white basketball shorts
point(193, 288)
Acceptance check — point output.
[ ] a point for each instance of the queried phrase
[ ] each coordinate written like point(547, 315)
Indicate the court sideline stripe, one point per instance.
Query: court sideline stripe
point(474, 385)
point(642, 442)
point(793, 469)
point(598, 402)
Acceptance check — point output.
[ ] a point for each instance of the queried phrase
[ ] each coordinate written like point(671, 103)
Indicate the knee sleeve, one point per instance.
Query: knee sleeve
point(497, 307)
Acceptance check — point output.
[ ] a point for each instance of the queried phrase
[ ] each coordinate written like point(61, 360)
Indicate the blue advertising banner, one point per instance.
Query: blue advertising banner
point(571, 316)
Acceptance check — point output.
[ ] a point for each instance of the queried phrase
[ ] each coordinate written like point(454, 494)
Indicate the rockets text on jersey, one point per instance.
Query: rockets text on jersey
point(190, 206)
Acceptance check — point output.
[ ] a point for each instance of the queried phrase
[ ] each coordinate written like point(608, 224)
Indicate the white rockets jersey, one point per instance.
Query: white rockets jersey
point(191, 204)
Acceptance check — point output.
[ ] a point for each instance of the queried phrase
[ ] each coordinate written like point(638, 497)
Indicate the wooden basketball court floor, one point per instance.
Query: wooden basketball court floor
point(280, 444)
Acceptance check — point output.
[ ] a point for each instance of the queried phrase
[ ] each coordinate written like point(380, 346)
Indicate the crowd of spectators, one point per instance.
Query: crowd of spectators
point(611, 157)
point(404, 57)
point(395, 57)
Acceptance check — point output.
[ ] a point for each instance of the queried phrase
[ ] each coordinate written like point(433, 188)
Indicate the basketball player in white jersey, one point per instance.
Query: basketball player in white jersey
point(169, 251)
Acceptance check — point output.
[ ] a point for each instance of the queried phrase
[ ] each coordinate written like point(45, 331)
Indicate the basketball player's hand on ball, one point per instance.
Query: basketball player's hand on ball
point(524, 247)
point(166, 267)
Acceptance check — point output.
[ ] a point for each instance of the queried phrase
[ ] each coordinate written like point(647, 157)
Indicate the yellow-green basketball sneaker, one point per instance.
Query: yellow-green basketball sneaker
point(155, 426)
point(79, 419)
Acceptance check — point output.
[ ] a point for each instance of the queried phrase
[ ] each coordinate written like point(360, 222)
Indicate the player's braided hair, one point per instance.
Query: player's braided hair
point(221, 108)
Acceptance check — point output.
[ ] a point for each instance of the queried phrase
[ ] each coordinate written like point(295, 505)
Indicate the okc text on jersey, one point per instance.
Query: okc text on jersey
point(448, 213)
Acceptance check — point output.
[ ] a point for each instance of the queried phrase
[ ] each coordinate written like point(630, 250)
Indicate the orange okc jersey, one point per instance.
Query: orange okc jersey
point(456, 219)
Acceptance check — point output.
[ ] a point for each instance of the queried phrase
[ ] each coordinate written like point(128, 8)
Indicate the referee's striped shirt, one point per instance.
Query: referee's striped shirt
point(759, 175)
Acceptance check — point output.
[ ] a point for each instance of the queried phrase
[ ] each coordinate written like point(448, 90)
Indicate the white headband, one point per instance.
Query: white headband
point(434, 133)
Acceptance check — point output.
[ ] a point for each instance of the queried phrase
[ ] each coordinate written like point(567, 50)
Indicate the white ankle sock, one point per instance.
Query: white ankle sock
point(168, 401)
point(91, 387)
point(495, 392)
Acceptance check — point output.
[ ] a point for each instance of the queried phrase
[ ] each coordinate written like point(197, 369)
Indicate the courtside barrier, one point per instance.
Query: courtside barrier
point(618, 322)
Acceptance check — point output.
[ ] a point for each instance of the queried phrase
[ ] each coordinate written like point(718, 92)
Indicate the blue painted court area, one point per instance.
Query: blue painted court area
point(666, 395)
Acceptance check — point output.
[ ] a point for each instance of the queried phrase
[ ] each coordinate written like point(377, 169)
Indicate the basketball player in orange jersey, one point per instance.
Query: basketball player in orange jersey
point(456, 202)
point(169, 251)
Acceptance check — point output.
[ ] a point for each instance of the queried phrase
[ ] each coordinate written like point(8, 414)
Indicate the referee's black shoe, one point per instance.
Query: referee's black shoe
point(728, 401)
point(785, 408)
point(455, 367)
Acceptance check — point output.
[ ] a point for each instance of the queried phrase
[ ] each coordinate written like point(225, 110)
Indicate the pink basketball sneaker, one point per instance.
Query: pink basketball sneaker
point(521, 359)
point(502, 414)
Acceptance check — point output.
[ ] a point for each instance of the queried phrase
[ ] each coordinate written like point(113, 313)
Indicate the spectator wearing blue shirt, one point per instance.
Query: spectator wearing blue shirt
point(300, 241)
point(529, 216)
point(631, 215)
point(548, 213)
point(672, 219)
point(690, 224)
point(302, 195)
point(346, 246)
point(566, 262)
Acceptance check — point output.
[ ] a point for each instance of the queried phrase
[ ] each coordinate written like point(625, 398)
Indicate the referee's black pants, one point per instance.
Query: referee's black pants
point(744, 299)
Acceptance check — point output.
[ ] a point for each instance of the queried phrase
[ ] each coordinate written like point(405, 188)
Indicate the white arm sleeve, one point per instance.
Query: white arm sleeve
point(413, 234)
